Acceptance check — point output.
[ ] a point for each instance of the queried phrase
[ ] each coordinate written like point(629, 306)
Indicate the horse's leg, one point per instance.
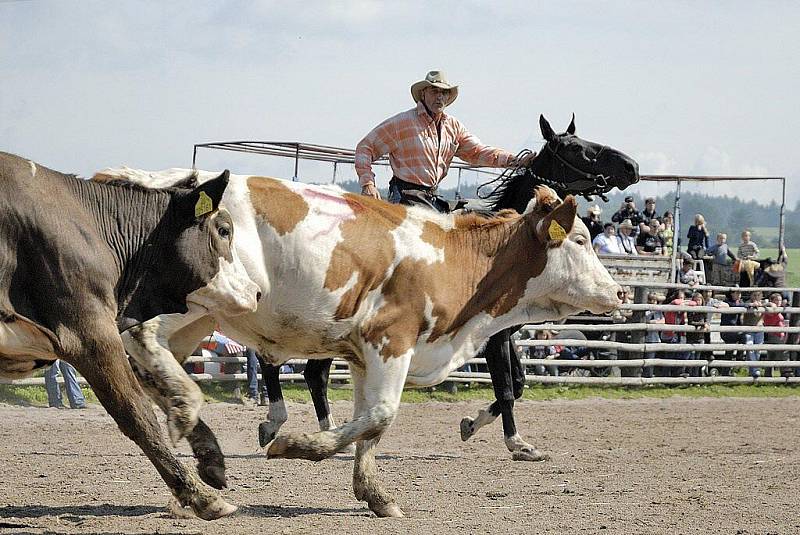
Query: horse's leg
point(105, 367)
point(508, 381)
point(277, 414)
point(380, 385)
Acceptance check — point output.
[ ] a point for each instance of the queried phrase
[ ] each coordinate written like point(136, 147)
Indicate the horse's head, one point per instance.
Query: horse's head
point(582, 166)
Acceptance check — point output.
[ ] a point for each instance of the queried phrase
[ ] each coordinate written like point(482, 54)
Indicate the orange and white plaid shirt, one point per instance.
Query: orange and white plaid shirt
point(415, 152)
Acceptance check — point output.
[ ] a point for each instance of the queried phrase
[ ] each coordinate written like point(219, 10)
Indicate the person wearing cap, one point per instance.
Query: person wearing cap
point(421, 143)
point(628, 211)
point(627, 242)
point(592, 221)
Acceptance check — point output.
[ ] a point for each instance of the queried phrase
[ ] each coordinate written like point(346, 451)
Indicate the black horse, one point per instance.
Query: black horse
point(569, 165)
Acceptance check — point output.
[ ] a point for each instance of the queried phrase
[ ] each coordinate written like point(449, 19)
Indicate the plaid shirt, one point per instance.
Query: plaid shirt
point(415, 153)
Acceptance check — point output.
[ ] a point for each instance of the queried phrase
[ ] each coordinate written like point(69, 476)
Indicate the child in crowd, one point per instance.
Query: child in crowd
point(676, 297)
point(721, 253)
point(773, 318)
point(698, 321)
point(733, 298)
point(698, 237)
point(748, 250)
point(687, 275)
point(543, 352)
point(752, 318)
point(652, 317)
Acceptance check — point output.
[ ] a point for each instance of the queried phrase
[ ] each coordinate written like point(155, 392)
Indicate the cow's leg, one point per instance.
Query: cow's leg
point(508, 381)
point(316, 375)
point(105, 367)
point(277, 414)
point(149, 345)
point(210, 460)
point(366, 486)
point(380, 385)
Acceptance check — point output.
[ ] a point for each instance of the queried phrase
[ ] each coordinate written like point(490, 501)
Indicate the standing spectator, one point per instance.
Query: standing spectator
point(720, 253)
point(698, 321)
point(592, 221)
point(773, 318)
point(733, 298)
point(774, 273)
point(254, 395)
point(748, 250)
point(711, 301)
point(627, 242)
point(652, 317)
point(74, 393)
point(543, 352)
point(754, 317)
point(676, 337)
point(649, 212)
point(628, 212)
point(698, 237)
point(607, 242)
point(650, 241)
point(668, 232)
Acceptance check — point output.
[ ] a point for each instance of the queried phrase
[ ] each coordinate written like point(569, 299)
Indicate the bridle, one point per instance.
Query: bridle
point(600, 181)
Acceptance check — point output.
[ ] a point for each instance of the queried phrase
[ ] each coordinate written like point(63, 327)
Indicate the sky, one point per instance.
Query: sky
point(708, 88)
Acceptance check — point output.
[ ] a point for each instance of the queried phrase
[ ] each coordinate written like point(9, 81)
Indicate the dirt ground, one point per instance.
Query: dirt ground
point(634, 466)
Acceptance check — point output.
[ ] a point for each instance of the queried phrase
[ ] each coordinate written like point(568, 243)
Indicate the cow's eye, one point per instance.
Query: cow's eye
point(580, 240)
point(224, 232)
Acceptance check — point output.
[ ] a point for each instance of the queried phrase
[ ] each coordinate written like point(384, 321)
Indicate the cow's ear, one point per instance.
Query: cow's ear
point(207, 196)
point(555, 226)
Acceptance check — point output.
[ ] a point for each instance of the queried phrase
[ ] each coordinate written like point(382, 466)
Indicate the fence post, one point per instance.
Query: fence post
point(794, 338)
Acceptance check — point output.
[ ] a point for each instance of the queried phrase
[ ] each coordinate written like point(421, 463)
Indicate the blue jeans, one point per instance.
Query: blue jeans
point(754, 338)
point(252, 375)
point(394, 193)
point(74, 394)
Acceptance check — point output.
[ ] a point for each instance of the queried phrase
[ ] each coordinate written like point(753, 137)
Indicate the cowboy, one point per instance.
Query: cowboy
point(592, 221)
point(421, 144)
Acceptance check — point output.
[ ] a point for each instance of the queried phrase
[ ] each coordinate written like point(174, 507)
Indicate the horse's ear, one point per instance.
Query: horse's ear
point(547, 130)
point(571, 127)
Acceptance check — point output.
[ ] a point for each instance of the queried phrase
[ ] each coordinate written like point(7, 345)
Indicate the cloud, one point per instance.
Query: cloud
point(656, 163)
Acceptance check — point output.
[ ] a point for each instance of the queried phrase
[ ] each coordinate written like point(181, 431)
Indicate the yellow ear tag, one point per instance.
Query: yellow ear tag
point(204, 205)
point(556, 231)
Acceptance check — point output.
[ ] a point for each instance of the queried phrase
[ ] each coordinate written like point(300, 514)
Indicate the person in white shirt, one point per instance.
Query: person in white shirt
point(627, 242)
point(606, 242)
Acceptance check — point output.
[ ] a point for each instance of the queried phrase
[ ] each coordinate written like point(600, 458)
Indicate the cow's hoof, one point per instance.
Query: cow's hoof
point(278, 448)
point(266, 433)
point(217, 508)
point(213, 475)
point(529, 454)
point(466, 429)
point(389, 510)
point(176, 510)
point(350, 449)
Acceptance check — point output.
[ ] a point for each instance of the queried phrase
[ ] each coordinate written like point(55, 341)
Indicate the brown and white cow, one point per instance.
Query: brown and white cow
point(82, 261)
point(404, 294)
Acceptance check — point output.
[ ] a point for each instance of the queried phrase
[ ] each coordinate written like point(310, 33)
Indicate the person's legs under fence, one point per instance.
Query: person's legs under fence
point(52, 387)
point(753, 355)
point(72, 386)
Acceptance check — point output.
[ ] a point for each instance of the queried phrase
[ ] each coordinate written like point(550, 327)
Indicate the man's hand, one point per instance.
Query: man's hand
point(522, 162)
point(370, 191)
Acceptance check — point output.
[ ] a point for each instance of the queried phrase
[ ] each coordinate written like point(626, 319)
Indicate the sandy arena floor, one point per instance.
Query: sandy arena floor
point(728, 466)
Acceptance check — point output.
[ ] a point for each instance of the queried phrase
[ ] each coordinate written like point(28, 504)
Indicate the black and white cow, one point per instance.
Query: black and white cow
point(81, 261)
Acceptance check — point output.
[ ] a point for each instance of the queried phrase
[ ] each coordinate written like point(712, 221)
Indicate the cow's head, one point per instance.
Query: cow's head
point(200, 264)
point(572, 265)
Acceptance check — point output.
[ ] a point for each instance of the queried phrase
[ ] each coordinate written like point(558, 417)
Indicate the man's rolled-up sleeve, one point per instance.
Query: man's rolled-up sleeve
point(374, 145)
point(472, 151)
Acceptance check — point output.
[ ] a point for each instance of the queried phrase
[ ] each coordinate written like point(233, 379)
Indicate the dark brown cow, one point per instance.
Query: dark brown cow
point(81, 261)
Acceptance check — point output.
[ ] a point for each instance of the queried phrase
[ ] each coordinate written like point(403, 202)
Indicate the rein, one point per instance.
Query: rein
point(600, 181)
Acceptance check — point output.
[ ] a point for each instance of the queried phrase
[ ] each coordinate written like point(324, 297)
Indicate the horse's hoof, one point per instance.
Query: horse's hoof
point(389, 510)
point(266, 433)
point(530, 455)
point(216, 509)
point(213, 476)
point(466, 429)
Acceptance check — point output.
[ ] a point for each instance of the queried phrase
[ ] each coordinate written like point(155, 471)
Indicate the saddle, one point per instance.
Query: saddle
point(417, 195)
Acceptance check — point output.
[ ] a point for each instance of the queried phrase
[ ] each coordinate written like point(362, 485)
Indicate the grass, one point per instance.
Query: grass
point(224, 392)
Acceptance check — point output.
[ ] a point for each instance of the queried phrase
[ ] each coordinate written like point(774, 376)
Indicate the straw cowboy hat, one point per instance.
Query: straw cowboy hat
point(626, 224)
point(595, 210)
point(434, 79)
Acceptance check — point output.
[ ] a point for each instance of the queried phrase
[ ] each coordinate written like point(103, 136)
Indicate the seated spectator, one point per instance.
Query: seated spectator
point(687, 275)
point(649, 242)
point(652, 317)
point(592, 221)
point(774, 318)
point(733, 298)
point(543, 352)
point(698, 237)
point(720, 253)
point(752, 318)
point(628, 212)
point(698, 321)
point(627, 242)
point(748, 250)
point(606, 242)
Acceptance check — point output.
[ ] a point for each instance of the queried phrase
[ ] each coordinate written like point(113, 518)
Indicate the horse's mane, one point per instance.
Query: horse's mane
point(508, 182)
